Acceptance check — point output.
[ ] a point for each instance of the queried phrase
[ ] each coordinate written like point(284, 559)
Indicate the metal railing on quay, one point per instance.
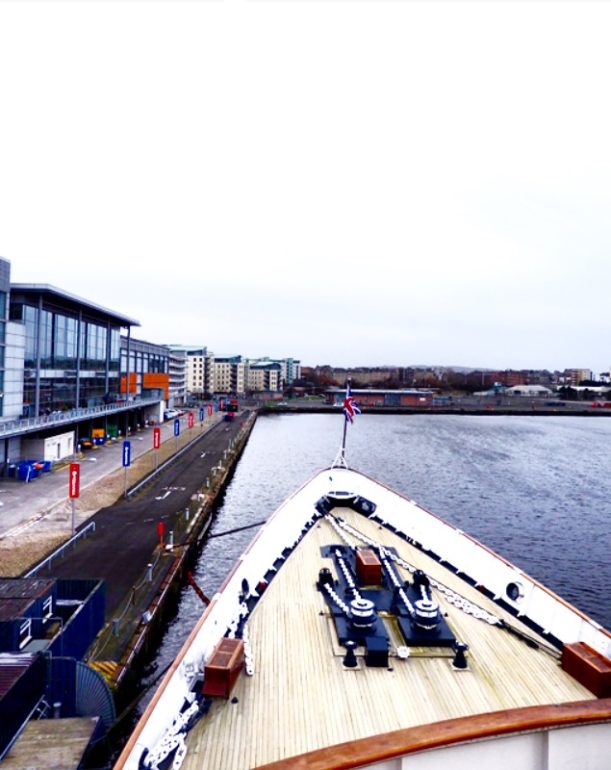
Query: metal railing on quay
point(59, 552)
point(32, 423)
point(182, 522)
point(113, 628)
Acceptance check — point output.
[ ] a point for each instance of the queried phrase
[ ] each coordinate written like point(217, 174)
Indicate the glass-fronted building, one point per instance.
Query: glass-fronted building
point(72, 353)
point(5, 279)
point(148, 365)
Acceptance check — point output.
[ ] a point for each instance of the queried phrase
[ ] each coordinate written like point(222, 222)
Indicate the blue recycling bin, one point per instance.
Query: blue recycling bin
point(25, 472)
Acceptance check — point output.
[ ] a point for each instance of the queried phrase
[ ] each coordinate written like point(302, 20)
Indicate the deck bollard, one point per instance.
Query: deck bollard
point(350, 660)
point(171, 539)
point(186, 514)
point(149, 572)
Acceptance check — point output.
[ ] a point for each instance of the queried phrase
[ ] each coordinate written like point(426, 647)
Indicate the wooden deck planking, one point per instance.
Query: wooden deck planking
point(301, 698)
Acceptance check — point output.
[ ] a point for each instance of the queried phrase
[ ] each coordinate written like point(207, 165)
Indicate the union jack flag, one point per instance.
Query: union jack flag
point(351, 408)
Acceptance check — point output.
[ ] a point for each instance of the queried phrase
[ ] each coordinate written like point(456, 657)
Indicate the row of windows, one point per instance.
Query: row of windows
point(57, 345)
point(59, 393)
point(141, 362)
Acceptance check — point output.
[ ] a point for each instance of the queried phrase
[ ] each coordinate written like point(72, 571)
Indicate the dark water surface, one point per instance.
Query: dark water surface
point(537, 490)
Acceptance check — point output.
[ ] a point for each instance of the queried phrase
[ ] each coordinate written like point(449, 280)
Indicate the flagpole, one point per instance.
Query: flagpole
point(340, 459)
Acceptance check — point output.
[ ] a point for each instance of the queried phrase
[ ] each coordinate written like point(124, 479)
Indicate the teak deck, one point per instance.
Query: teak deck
point(301, 698)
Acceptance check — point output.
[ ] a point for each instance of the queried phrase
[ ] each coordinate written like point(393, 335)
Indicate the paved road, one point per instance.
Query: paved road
point(21, 503)
point(126, 532)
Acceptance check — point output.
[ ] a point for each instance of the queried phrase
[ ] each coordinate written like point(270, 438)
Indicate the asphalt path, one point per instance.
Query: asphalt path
point(126, 534)
point(25, 503)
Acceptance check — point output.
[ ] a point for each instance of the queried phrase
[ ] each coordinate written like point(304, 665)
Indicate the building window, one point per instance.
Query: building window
point(95, 346)
point(46, 339)
point(115, 349)
point(64, 338)
point(30, 319)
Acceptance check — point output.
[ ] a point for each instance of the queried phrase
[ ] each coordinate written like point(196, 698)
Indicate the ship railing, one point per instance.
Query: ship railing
point(263, 553)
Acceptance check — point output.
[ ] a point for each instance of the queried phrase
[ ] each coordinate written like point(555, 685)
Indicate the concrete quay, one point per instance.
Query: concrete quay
point(466, 407)
point(142, 568)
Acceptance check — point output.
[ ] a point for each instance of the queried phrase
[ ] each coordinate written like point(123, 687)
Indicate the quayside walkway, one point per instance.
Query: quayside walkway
point(137, 543)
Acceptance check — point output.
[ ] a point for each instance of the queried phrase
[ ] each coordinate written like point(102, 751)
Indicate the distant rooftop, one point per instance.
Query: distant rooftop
point(194, 349)
point(379, 391)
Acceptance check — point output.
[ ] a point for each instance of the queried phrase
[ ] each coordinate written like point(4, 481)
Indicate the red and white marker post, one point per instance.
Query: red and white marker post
point(74, 489)
point(156, 444)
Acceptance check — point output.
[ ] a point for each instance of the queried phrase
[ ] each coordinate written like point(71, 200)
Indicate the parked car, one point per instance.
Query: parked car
point(170, 414)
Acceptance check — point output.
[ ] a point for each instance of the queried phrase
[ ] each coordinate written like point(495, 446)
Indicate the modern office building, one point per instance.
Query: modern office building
point(148, 365)
point(7, 342)
point(63, 375)
point(71, 354)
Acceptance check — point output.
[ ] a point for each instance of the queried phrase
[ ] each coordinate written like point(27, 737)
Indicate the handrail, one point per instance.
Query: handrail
point(58, 551)
point(446, 734)
point(31, 423)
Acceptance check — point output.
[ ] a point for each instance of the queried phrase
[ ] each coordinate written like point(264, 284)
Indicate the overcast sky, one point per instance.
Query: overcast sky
point(352, 183)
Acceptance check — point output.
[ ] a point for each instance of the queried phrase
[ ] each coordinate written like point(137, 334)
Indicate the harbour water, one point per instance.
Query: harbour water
point(537, 490)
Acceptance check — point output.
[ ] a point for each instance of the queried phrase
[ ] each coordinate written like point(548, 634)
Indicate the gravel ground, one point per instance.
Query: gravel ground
point(43, 535)
point(40, 536)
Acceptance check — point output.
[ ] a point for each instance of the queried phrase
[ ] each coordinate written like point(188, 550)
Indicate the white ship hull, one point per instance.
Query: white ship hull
point(547, 734)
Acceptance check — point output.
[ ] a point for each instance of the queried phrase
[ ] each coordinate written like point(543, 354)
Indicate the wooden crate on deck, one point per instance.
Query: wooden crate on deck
point(223, 668)
point(588, 667)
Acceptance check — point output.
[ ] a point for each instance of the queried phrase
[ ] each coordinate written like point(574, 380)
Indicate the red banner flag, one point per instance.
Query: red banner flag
point(74, 480)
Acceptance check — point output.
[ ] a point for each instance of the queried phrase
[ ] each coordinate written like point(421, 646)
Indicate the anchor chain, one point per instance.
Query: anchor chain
point(458, 601)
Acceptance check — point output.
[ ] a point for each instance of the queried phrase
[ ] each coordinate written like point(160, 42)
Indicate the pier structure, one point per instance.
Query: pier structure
point(143, 544)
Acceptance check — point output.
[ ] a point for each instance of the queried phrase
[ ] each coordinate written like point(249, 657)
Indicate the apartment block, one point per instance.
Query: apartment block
point(265, 377)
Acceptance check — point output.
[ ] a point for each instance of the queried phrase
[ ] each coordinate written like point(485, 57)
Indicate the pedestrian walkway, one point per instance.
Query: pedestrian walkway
point(141, 542)
point(24, 504)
